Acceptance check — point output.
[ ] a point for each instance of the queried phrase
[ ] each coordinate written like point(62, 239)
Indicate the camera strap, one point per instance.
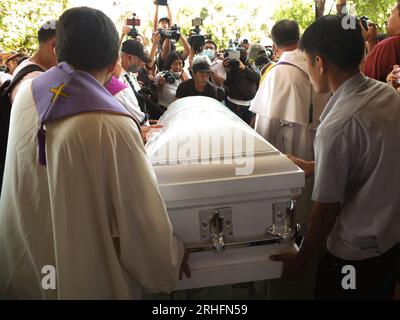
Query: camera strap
point(311, 109)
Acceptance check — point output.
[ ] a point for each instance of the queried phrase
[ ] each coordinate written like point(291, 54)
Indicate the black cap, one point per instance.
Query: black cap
point(135, 48)
point(165, 19)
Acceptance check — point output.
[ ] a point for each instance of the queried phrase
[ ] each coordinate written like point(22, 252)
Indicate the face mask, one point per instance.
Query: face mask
point(178, 75)
point(210, 54)
point(133, 68)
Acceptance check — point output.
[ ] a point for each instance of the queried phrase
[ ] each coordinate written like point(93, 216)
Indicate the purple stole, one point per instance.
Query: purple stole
point(62, 92)
point(114, 86)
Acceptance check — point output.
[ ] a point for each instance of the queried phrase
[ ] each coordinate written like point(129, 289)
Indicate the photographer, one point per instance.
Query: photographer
point(168, 40)
point(163, 23)
point(170, 34)
point(241, 86)
point(168, 81)
point(218, 73)
point(380, 61)
point(133, 58)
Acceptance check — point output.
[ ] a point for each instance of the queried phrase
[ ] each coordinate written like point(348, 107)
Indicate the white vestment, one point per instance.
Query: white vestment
point(282, 105)
point(127, 98)
point(94, 212)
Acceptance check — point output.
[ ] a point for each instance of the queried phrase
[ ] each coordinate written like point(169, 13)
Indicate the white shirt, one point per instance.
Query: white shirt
point(127, 98)
point(217, 66)
point(168, 92)
point(4, 77)
point(94, 212)
point(282, 105)
point(357, 164)
point(31, 75)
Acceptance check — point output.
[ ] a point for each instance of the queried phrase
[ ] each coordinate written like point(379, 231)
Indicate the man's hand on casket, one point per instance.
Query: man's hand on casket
point(295, 265)
point(185, 266)
point(147, 130)
point(306, 166)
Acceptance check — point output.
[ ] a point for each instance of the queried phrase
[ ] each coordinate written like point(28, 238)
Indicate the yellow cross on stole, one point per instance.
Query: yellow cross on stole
point(58, 92)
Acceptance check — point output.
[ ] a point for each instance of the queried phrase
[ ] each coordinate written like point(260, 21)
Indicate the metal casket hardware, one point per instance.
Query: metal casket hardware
point(216, 227)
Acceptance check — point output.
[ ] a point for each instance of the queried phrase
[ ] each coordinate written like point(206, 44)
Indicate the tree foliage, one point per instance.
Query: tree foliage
point(303, 11)
point(222, 20)
point(20, 21)
point(378, 11)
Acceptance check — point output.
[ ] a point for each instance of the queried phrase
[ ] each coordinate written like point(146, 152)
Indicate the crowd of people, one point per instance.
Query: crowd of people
point(78, 191)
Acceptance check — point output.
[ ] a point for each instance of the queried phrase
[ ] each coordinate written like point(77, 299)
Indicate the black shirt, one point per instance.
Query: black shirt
point(242, 84)
point(187, 89)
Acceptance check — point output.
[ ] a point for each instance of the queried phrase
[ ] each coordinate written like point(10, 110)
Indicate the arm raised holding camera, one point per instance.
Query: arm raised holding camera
point(153, 52)
point(169, 14)
point(155, 19)
point(186, 47)
point(125, 31)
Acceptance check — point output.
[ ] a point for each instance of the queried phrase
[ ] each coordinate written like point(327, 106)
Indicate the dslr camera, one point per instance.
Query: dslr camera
point(196, 39)
point(169, 77)
point(134, 33)
point(365, 22)
point(173, 33)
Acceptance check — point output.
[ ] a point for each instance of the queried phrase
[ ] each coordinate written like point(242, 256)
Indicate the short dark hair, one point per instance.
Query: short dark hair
point(47, 31)
point(173, 56)
point(87, 39)
point(285, 33)
point(327, 37)
point(213, 43)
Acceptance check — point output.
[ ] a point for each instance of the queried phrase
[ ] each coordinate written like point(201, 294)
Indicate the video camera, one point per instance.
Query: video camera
point(233, 53)
point(134, 33)
point(173, 33)
point(196, 39)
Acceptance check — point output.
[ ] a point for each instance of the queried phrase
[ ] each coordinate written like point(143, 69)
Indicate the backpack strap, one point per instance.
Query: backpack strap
point(311, 110)
point(19, 76)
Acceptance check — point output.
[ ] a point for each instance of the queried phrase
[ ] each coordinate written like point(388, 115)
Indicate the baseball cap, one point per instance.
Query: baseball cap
point(201, 63)
point(135, 48)
point(165, 19)
point(256, 51)
point(12, 55)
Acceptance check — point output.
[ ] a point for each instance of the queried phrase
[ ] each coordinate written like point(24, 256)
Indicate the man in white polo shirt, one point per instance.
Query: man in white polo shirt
point(357, 176)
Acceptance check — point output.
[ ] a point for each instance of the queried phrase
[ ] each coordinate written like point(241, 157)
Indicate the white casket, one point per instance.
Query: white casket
point(220, 181)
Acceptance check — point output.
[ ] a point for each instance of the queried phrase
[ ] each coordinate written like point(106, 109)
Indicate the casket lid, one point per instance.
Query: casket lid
point(199, 128)
point(236, 160)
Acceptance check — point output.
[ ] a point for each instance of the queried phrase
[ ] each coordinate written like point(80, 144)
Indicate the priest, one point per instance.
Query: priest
point(81, 216)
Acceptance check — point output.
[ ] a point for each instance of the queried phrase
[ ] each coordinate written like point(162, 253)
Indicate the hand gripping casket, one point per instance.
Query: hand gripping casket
point(228, 193)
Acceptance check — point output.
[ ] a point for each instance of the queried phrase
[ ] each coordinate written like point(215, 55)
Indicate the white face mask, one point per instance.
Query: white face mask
point(178, 75)
point(210, 54)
